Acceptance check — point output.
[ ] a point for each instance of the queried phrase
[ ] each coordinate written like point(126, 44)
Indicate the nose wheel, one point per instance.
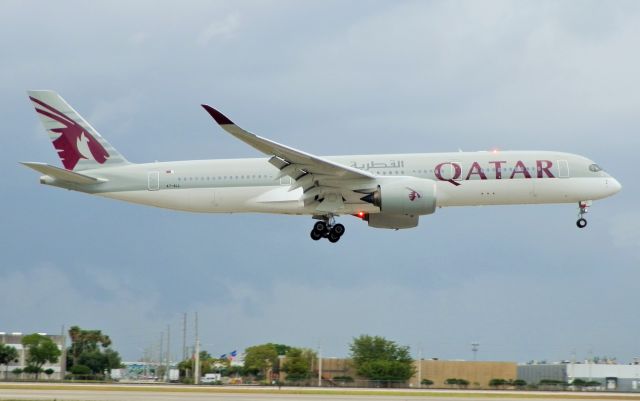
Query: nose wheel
point(583, 208)
point(327, 229)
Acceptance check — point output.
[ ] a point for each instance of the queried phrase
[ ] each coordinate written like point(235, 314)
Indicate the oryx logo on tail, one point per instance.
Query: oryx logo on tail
point(74, 142)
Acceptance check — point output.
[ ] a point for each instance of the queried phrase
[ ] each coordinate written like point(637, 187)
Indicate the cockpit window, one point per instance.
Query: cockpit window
point(595, 168)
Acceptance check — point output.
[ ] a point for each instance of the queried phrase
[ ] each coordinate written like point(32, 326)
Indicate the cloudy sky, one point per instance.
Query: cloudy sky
point(343, 77)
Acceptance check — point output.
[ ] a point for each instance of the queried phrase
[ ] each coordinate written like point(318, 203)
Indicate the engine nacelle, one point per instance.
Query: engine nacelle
point(392, 221)
point(404, 196)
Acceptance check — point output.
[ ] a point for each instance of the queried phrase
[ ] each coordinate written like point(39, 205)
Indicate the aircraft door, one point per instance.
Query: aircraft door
point(153, 180)
point(563, 169)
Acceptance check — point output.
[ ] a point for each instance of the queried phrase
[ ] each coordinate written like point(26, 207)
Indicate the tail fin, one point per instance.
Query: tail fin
point(79, 145)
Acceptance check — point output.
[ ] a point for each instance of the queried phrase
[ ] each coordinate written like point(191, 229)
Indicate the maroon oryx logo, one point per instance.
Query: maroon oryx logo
point(413, 194)
point(74, 142)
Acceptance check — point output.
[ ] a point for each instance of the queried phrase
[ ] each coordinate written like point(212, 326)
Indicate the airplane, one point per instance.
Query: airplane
point(386, 190)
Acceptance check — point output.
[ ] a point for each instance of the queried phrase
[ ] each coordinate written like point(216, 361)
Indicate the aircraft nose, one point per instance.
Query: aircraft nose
point(614, 185)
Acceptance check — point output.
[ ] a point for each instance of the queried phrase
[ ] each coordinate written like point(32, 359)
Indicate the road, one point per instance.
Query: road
point(190, 393)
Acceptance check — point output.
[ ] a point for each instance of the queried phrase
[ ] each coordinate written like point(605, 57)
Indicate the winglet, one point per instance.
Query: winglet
point(219, 117)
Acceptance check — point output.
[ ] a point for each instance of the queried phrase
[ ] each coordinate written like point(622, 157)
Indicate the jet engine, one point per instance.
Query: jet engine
point(401, 201)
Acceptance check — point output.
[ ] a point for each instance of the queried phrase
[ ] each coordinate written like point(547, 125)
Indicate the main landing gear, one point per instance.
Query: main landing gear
point(327, 229)
point(583, 208)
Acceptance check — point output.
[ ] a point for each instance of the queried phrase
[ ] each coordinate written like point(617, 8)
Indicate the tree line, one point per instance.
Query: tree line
point(89, 357)
point(373, 357)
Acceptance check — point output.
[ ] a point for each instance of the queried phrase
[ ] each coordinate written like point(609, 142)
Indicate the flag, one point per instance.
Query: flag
point(223, 356)
point(233, 355)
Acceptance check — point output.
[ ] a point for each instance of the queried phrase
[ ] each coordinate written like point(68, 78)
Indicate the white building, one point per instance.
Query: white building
point(612, 377)
point(15, 340)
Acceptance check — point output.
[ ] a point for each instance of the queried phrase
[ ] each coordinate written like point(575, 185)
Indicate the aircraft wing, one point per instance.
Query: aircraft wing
point(316, 175)
point(289, 156)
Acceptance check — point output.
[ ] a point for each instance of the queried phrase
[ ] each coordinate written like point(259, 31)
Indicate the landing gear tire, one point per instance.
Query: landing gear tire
point(338, 230)
point(320, 227)
point(327, 229)
point(583, 208)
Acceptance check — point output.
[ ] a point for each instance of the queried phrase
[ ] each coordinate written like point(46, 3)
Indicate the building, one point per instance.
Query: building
point(15, 340)
point(477, 373)
point(612, 377)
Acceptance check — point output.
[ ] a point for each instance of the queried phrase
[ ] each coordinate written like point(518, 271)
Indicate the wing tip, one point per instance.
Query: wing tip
point(219, 117)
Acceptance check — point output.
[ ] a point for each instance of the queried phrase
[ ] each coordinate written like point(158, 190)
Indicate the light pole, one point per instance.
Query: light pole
point(474, 348)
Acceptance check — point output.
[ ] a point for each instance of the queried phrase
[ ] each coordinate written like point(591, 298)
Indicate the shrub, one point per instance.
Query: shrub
point(426, 382)
point(519, 383)
point(497, 382)
point(551, 382)
point(459, 382)
point(80, 370)
point(32, 369)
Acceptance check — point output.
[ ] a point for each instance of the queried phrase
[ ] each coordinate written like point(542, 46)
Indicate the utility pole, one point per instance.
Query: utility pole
point(63, 357)
point(419, 366)
point(184, 337)
point(319, 366)
point(590, 361)
point(160, 356)
point(196, 368)
point(166, 370)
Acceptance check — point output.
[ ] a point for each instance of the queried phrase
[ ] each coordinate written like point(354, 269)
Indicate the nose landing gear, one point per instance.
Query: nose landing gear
point(327, 229)
point(583, 208)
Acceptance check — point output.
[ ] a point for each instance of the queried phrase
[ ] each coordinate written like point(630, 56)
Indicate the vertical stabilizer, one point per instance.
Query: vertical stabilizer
point(79, 145)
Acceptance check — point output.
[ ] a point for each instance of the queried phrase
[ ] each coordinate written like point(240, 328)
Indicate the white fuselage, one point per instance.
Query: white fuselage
point(253, 185)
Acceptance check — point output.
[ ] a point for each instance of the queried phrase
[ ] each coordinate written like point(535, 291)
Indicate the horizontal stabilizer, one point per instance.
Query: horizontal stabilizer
point(62, 174)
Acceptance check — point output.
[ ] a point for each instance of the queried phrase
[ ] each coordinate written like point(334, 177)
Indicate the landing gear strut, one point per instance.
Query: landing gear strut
point(326, 228)
point(583, 209)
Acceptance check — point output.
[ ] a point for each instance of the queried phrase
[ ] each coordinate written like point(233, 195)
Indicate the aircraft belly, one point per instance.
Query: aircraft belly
point(210, 200)
point(521, 191)
point(569, 190)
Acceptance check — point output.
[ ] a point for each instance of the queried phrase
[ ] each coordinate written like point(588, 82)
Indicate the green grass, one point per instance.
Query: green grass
point(314, 391)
